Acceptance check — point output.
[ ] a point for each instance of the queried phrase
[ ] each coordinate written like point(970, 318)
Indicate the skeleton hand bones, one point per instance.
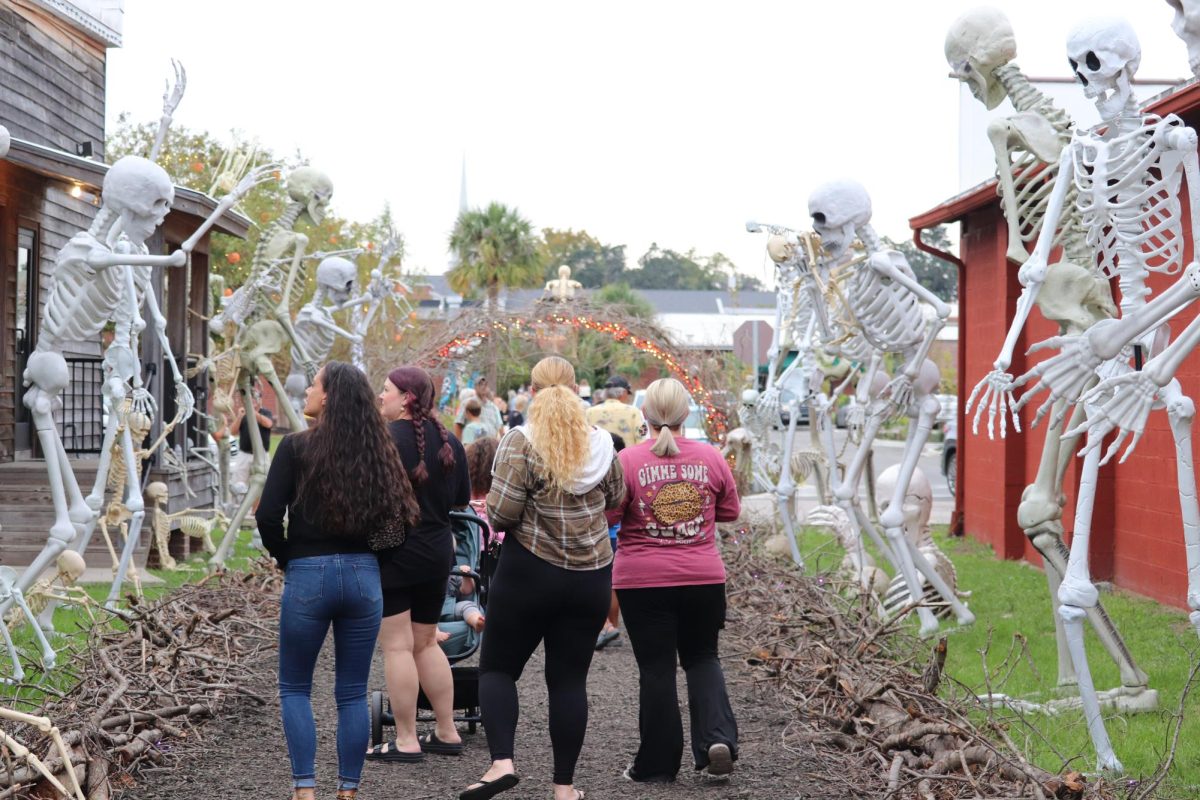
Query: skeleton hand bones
point(997, 397)
point(1120, 403)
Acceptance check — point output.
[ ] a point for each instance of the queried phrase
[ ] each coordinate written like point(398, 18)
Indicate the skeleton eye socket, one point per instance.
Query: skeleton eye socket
point(1092, 61)
point(819, 218)
point(1074, 64)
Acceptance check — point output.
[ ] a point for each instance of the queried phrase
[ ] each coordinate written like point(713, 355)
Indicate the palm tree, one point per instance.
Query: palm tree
point(493, 247)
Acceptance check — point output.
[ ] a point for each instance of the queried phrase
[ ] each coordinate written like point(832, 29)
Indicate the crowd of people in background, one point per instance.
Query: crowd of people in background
point(594, 509)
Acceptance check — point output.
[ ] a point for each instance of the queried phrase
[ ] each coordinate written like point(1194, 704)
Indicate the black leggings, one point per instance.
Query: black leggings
point(532, 601)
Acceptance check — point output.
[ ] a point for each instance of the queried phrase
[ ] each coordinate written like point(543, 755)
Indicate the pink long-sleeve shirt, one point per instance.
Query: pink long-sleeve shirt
point(669, 516)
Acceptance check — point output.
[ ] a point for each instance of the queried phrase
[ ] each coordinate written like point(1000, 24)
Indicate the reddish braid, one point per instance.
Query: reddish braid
point(418, 386)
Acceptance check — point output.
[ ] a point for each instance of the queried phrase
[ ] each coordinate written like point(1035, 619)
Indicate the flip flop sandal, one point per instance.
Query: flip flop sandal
point(488, 789)
point(605, 639)
point(431, 744)
point(388, 752)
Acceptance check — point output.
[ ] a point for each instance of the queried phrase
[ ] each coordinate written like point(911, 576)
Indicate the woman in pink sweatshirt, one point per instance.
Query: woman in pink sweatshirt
point(670, 582)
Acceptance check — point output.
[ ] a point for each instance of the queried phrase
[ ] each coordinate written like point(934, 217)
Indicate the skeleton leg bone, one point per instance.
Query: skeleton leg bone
point(137, 507)
point(785, 490)
point(258, 479)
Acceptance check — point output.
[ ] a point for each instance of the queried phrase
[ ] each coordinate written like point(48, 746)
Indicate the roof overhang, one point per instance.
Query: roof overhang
point(1181, 99)
point(89, 173)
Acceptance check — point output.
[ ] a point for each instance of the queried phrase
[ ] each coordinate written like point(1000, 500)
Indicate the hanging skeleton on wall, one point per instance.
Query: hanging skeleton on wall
point(980, 49)
point(1127, 173)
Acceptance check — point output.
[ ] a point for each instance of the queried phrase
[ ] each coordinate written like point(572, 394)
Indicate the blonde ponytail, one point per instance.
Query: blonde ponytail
point(558, 427)
point(667, 406)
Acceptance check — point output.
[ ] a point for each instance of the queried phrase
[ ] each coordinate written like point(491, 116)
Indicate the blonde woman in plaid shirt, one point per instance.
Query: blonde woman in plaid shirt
point(552, 481)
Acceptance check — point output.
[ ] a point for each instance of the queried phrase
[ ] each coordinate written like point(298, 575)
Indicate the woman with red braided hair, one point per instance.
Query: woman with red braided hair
point(414, 574)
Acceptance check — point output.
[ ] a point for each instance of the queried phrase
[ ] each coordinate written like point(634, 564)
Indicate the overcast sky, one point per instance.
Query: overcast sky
point(667, 122)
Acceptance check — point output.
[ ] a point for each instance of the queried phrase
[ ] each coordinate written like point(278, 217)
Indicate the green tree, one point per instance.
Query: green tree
point(669, 269)
point(495, 248)
point(592, 263)
point(935, 274)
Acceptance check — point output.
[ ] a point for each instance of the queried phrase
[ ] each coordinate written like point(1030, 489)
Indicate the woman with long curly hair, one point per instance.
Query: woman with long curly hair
point(414, 574)
point(552, 481)
point(338, 482)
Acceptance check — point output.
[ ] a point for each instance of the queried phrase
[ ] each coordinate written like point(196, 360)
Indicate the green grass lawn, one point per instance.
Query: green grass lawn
point(73, 622)
point(1014, 637)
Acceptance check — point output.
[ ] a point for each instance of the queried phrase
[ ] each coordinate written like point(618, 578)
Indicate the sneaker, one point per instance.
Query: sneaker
point(720, 761)
point(628, 775)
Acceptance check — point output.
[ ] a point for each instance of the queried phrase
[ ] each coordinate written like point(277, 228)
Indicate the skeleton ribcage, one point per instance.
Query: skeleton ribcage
point(316, 340)
point(82, 300)
point(889, 316)
point(1128, 197)
point(1032, 186)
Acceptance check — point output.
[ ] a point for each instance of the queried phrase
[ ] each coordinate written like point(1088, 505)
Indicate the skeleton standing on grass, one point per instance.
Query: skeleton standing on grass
point(1127, 173)
point(257, 321)
point(101, 277)
point(980, 49)
point(884, 301)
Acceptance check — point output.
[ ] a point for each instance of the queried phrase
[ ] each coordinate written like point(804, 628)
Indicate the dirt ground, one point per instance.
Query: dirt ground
point(244, 755)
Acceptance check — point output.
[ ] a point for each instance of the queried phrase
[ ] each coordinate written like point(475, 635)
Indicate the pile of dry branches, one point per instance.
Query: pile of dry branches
point(171, 664)
point(869, 718)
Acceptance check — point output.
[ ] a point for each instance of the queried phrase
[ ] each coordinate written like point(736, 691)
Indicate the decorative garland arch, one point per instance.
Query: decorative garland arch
point(469, 330)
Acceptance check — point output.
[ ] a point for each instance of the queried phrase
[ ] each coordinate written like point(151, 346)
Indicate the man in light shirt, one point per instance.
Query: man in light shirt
point(617, 414)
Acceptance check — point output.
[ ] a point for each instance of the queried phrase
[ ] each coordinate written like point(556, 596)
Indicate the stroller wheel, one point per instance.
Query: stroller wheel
point(376, 718)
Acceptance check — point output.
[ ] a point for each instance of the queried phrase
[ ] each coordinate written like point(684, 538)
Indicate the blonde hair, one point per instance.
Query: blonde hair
point(558, 428)
point(667, 406)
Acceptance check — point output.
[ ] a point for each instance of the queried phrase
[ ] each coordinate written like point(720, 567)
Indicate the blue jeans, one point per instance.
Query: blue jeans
point(344, 590)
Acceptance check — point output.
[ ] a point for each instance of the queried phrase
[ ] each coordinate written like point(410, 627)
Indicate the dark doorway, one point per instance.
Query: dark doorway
point(26, 327)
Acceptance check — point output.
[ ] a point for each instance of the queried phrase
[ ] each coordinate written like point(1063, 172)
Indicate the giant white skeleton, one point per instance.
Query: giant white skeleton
point(315, 326)
point(257, 320)
point(885, 301)
point(804, 322)
point(1127, 173)
point(1186, 24)
point(980, 49)
point(101, 277)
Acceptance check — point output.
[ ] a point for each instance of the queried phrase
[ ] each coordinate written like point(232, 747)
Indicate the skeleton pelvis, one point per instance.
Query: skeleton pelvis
point(1075, 297)
point(264, 338)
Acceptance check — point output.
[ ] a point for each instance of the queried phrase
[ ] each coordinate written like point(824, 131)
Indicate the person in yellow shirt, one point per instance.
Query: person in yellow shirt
point(625, 422)
point(617, 414)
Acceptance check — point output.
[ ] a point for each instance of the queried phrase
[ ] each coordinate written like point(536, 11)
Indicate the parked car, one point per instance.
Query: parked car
point(693, 426)
point(949, 410)
point(950, 452)
point(785, 417)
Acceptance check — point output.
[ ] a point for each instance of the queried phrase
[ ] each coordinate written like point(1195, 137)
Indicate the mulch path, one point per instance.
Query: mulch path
point(243, 754)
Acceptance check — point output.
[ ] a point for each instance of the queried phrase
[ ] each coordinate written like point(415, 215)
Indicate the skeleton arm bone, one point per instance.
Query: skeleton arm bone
point(333, 327)
point(170, 103)
point(260, 175)
point(184, 401)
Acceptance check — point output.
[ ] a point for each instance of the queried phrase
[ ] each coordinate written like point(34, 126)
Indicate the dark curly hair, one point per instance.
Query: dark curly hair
point(352, 478)
point(418, 386)
point(481, 453)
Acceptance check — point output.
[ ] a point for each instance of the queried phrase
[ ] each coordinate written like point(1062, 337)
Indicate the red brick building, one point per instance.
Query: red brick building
point(1137, 535)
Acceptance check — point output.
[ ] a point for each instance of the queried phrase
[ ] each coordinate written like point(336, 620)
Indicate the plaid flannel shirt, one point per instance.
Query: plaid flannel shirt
point(563, 529)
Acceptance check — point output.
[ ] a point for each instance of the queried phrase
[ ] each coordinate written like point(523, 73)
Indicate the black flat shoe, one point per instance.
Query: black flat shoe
point(487, 789)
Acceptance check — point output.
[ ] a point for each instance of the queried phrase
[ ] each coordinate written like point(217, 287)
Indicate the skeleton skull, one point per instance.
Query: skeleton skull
point(838, 208)
point(780, 249)
point(141, 192)
point(1186, 25)
point(156, 492)
point(312, 188)
point(70, 566)
point(918, 500)
point(977, 44)
point(1104, 54)
point(337, 276)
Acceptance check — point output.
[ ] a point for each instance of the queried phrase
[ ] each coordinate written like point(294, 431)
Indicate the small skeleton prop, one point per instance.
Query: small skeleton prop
point(25, 754)
point(886, 301)
point(562, 289)
point(857, 565)
point(59, 587)
point(315, 326)
point(980, 48)
point(117, 514)
point(192, 525)
point(1127, 172)
point(1186, 25)
point(257, 319)
point(102, 276)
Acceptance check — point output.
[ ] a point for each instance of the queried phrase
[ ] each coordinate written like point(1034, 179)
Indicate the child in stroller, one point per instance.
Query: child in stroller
point(474, 564)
